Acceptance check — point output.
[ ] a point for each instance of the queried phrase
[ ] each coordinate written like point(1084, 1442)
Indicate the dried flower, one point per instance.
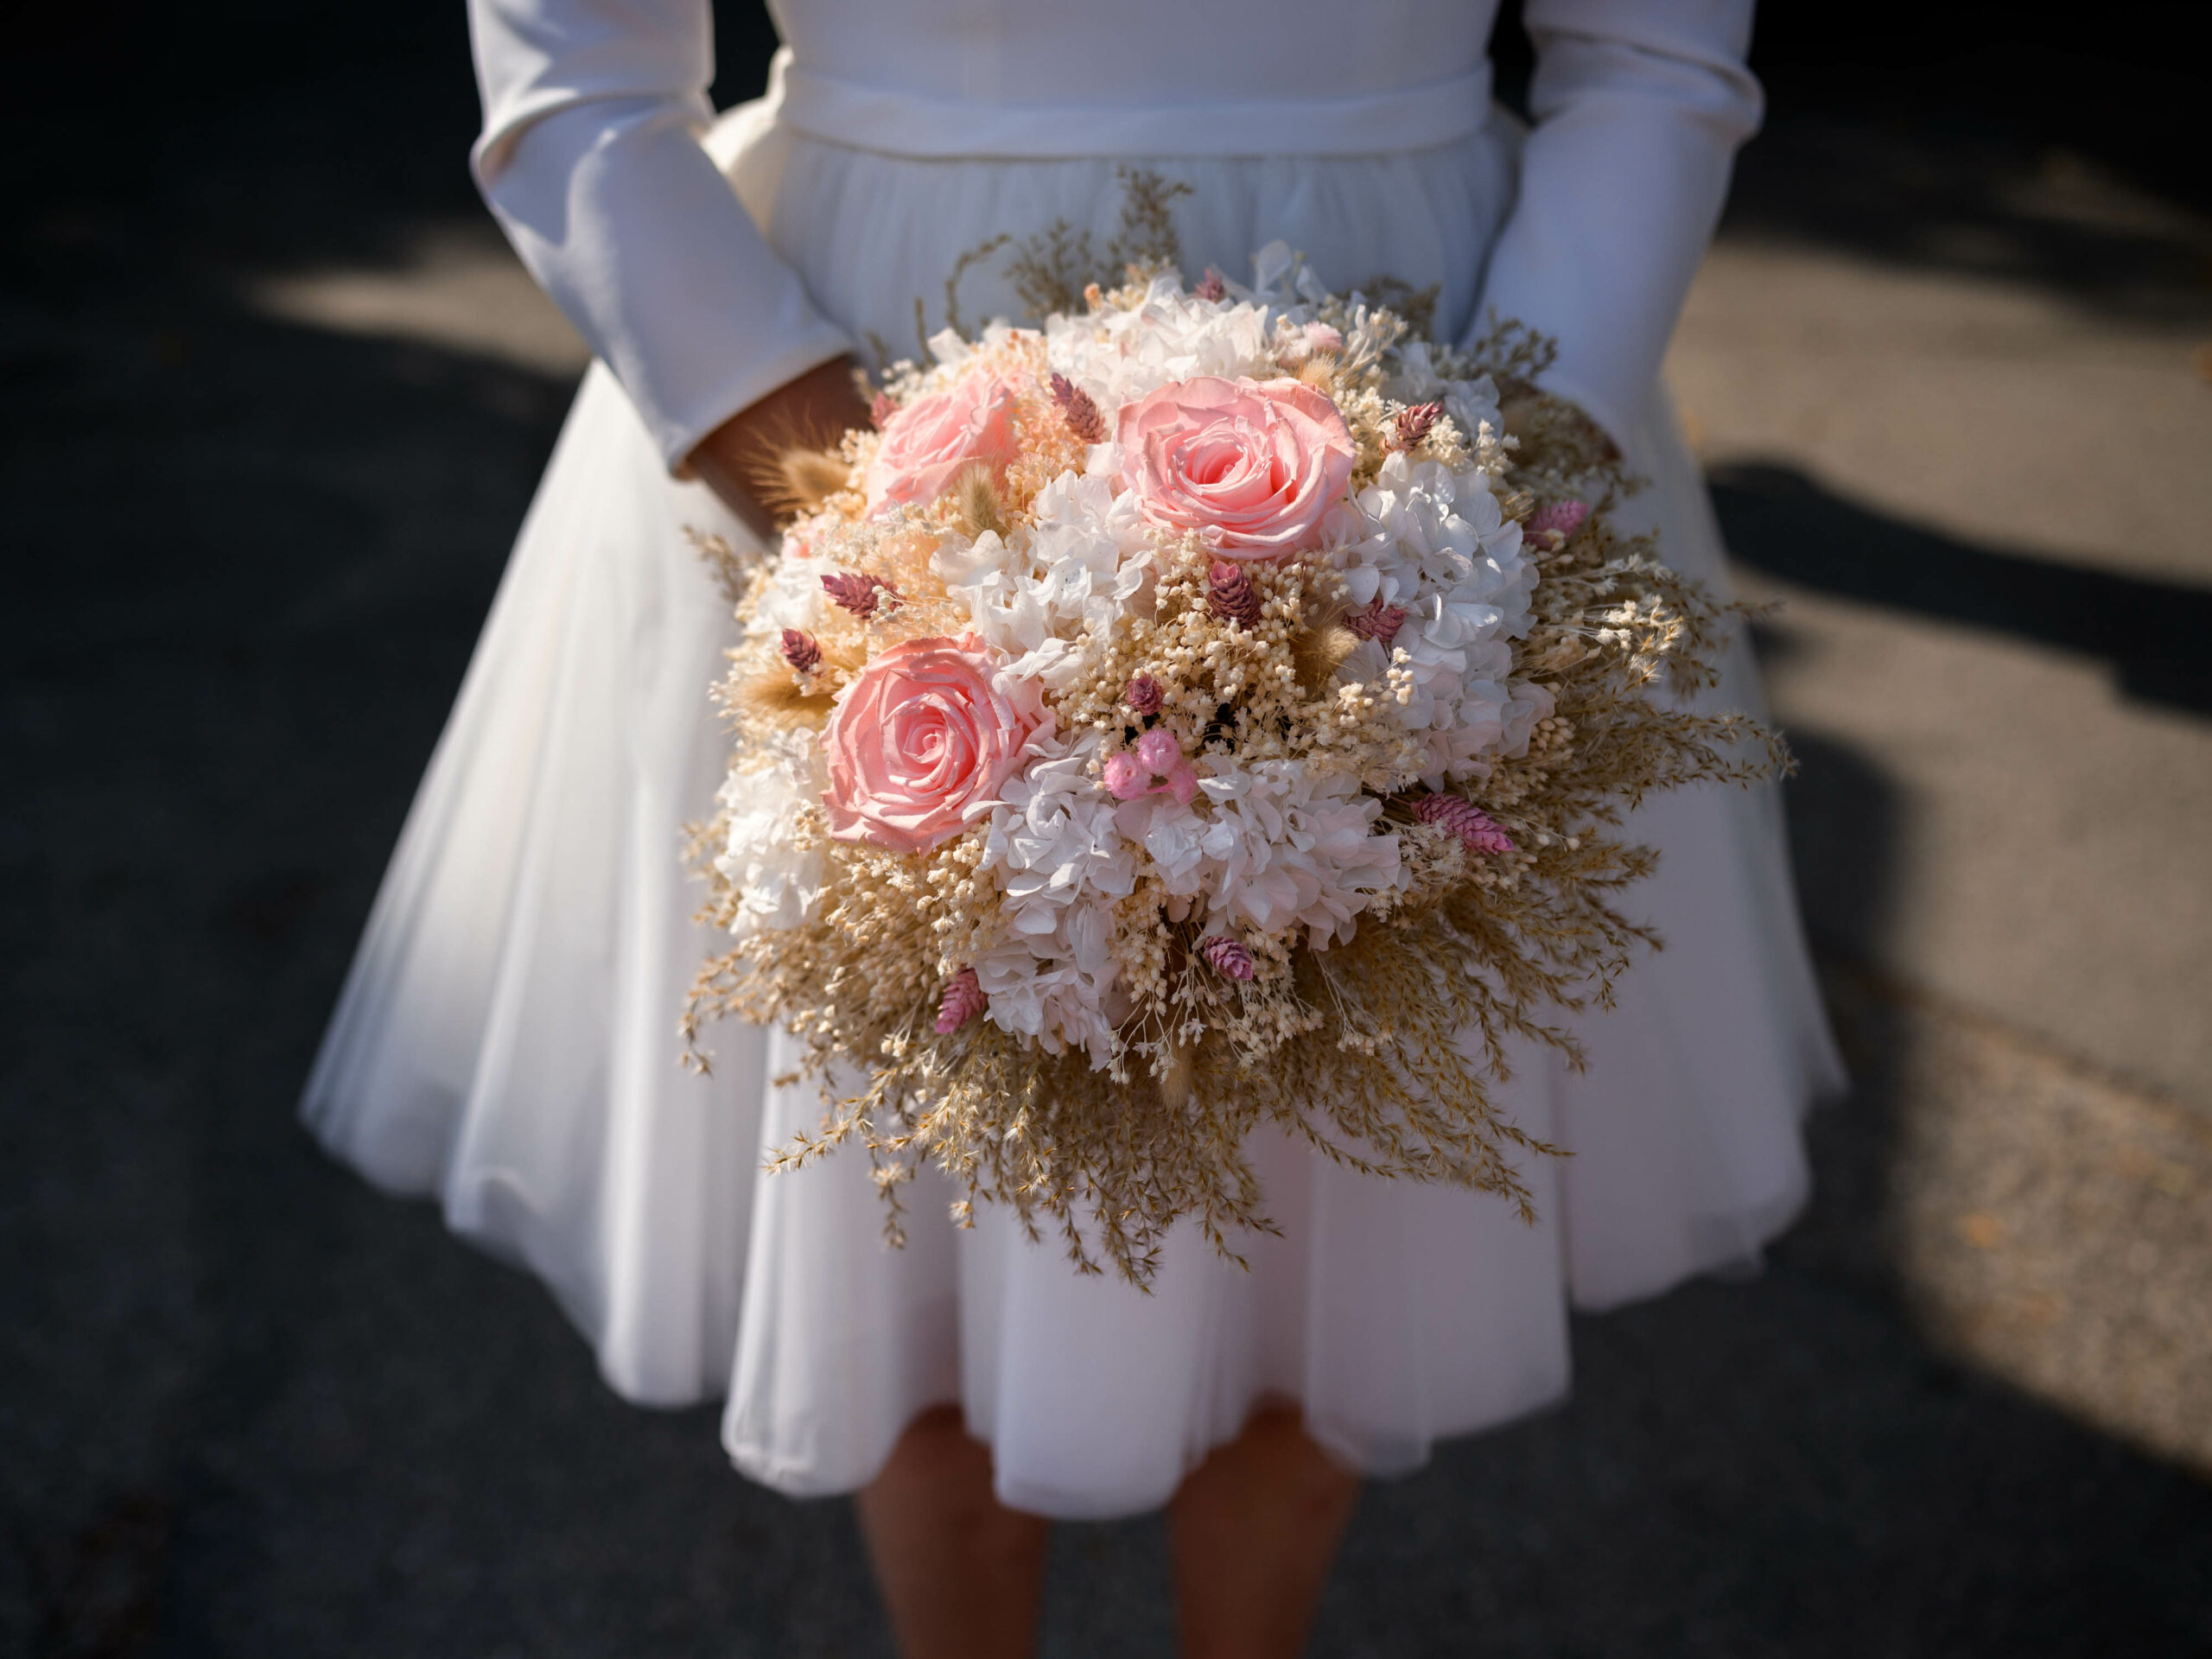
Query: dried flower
point(858, 592)
point(1377, 621)
point(1226, 957)
point(982, 509)
point(1552, 525)
point(1413, 424)
point(1159, 751)
point(1143, 694)
point(1078, 409)
point(1212, 286)
point(802, 650)
point(881, 409)
point(1230, 595)
point(1125, 776)
point(963, 1001)
point(1465, 820)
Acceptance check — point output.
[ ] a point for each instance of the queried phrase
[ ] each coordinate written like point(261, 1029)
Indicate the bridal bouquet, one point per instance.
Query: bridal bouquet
point(1207, 709)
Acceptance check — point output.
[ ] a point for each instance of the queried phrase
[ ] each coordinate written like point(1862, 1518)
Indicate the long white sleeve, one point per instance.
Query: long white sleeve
point(590, 159)
point(1639, 107)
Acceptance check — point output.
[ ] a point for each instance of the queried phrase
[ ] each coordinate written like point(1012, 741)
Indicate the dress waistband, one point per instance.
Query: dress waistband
point(908, 124)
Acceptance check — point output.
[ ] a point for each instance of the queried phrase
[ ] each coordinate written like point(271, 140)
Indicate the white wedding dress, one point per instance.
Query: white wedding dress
point(507, 1038)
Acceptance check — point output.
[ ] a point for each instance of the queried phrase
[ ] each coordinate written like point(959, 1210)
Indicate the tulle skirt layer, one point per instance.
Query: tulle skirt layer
point(506, 1039)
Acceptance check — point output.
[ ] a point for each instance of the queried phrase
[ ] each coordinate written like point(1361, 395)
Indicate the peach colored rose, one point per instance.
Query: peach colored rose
point(929, 443)
point(924, 734)
point(1250, 465)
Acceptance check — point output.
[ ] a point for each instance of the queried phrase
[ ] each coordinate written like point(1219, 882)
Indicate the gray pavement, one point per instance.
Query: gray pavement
point(272, 418)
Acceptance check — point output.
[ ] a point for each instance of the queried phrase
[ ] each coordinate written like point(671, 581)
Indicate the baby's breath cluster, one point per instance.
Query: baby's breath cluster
point(1301, 835)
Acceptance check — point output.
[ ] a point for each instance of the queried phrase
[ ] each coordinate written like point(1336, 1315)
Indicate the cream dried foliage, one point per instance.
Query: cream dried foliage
point(1384, 1052)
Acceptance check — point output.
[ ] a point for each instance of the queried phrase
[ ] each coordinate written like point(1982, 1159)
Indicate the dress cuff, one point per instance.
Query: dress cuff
point(677, 432)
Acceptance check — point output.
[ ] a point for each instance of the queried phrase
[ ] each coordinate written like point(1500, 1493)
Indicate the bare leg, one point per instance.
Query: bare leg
point(960, 1571)
point(1253, 1529)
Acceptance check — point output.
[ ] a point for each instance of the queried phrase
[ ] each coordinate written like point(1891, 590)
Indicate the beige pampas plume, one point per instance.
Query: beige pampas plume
point(1320, 651)
point(786, 469)
point(1182, 1070)
point(778, 696)
point(981, 509)
point(803, 480)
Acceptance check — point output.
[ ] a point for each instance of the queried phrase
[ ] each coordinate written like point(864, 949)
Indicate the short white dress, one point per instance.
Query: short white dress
point(507, 1038)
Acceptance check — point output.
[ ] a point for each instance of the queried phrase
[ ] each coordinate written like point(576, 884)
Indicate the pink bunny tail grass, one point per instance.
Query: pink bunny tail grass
point(1226, 957)
point(963, 1001)
point(1143, 694)
point(1078, 409)
point(858, 593)
point(1465, 820)
point(1377, 621)
point(1230, 595)
point(1553, 524)
point(801, 649)
point(1212, 286)
point(881, 409)
point(1412, 425)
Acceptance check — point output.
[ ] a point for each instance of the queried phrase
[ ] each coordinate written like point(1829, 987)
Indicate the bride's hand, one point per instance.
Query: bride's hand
point(739, 459)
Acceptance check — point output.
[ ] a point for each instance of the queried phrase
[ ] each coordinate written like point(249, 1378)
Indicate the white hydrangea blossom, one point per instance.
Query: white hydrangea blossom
point(1437, 546)
point(1052, 847)
point(1051, 839)
point(1271, 847)
point(1039, 597)
point(792, 597)
point(1117, 356)
point(782, 885)
point(1060, 991)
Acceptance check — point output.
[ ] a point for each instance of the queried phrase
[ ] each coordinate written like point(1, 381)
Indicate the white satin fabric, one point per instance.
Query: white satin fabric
point(506, 1038)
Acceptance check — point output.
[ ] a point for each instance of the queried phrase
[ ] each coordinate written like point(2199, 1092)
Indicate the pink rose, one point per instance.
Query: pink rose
point(929, 443)
point(1250, 465)
point(924, 734)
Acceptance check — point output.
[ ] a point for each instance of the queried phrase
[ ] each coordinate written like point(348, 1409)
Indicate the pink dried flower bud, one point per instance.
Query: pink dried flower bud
point(1226, 957)
point(1158, 752)
point(1078, 409)
point(1376, 621)
point(963, 1001)
point(1552, 525)
point(1465, 820)
point(1212, 286)
point(881, 409)
point(1412, 425)
point(857, 593)
point(1125, 776)
point(1182, 783)
point(1230, 595)
point(1143, 694)
point(802, 651)
point(1323, 337)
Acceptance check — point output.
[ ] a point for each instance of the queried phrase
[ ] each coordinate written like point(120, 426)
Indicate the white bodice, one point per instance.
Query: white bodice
point(1145, 54)
point(595, 111)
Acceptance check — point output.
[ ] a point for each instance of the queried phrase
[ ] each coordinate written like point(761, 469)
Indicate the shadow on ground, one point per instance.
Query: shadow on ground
point(251, 1408)
point(2152, 634)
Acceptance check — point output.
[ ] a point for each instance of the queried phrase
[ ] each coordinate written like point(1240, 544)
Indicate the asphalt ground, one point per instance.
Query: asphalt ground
point(275, 402)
